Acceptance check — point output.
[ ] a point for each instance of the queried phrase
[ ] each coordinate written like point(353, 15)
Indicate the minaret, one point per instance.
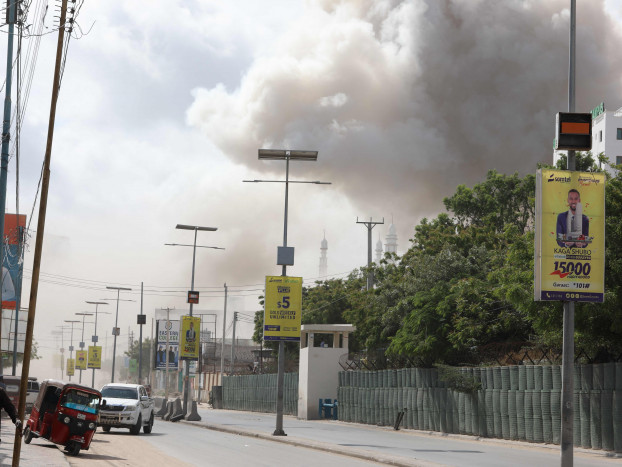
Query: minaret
point(379, 253)
point(323, 259)
point(391, 245)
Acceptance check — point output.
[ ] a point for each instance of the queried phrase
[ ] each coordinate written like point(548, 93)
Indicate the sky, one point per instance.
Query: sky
point(164, 104)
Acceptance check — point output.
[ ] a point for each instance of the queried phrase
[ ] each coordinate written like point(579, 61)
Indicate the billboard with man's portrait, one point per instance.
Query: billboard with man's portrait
point(569, 251)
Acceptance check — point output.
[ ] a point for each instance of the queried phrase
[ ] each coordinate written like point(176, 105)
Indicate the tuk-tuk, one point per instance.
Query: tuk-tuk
point(65, 414)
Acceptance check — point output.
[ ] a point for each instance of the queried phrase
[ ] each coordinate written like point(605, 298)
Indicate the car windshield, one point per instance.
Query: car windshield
point(120, 393)
point(80, 400)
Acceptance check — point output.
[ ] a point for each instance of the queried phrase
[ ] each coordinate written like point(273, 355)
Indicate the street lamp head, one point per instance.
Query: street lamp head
point(283, 154)
point(117, 288)
point(195, 227)
point(72, 321)
point(97, 303)
point(85, 313)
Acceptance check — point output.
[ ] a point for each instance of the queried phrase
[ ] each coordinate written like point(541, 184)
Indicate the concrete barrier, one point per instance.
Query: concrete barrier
point(194, 415)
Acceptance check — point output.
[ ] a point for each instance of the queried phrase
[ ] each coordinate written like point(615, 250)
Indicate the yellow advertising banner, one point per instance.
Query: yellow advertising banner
point(95, 357)
point(70, 367)
point(81, 359)
point(569, 236)
point(282, 308)
point(190, 329)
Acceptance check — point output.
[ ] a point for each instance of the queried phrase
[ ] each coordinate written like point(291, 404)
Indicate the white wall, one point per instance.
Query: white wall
point(318, 378)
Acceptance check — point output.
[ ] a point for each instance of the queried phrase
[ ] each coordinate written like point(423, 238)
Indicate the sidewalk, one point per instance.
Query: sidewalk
point(36, 454)
point(399, 448)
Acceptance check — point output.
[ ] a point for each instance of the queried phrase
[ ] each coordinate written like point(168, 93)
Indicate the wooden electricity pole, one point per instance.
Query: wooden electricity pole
point(36, 268)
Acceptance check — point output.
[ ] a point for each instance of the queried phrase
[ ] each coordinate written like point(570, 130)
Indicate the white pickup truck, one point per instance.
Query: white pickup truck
point(126, 406)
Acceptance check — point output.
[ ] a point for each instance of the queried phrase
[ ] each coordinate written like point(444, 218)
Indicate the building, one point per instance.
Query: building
point(391, 245)
point(379, 253)
point(606, 134)
point(323, 258)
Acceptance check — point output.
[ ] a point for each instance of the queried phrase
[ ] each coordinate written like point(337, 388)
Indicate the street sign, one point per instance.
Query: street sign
point(70, 367)
point(141, 319)
point(116, 331)
point(193, 297)
point(282, 308)
point(573, 131)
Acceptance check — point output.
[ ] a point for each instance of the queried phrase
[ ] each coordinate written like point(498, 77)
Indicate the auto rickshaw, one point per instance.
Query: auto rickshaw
point(65, 414)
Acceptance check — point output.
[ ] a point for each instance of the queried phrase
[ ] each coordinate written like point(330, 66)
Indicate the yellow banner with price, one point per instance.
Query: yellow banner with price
point(70, 367)
point(95, 357)
point(569, 236)
point(282, 308)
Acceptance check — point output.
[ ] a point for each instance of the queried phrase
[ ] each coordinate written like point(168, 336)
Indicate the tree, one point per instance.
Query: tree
point(134, 353)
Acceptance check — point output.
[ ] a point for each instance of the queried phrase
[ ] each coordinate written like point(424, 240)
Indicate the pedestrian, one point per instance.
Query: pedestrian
point(9, 408)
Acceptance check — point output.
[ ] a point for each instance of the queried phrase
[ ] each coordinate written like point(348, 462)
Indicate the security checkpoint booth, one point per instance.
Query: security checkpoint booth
point(321, 346)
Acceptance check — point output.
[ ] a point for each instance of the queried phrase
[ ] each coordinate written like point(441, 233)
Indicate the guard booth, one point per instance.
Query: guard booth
point(321, 346)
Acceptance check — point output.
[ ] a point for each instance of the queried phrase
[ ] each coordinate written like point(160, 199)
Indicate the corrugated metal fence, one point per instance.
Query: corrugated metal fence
point(514, 402)
point(257, 393)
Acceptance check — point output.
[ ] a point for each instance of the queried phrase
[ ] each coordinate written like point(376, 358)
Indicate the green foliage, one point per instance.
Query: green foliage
point(467, 281)
point(458, 380)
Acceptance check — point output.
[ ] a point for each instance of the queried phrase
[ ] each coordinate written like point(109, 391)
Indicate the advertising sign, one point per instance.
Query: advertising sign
point(189, 348)
point(95, 357)
point(193, 297)
point(282, 308)
point(570, 236)
point(70, 366)
point(81, 359)
point(164, 327)
point(11, 277)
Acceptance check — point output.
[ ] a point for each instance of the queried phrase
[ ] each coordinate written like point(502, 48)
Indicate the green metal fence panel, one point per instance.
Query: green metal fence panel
point(595, 419)
point(496, 412)
point(512, 415)
point(513, 378)
point(557, 376)
point(576, 418)
point(556, 415)
point(505, 377)
point(598, 376)
point(584, 408)
point(538, 435)
point(586, 377)
point(547, 377)
point(609, 376)
point(537, 377)
point(606, 416)
point(522, 378)
point(520, 414)
point(547, 420)
point(617, 418)
point(505, 414)
point(530, 377)
point(529, 434)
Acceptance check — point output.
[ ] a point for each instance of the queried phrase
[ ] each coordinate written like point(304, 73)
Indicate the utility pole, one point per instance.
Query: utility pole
point(36, 269)
point(84, 315)
point(567, 395)
point(71, 342)
point(370, 225)
point(222, 343)
point(116, 329)
point(141, 321)
point(11, 17)
point(235, 318)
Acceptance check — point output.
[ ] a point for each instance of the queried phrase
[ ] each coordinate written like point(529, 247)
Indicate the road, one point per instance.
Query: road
point(186, 445)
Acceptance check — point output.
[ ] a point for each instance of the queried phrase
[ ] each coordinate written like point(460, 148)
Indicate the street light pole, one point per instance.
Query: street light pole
point(71, 342)
point(94, 338)
point(286, 155)
point(116, 322)
point(84, 315)
point(195, 228)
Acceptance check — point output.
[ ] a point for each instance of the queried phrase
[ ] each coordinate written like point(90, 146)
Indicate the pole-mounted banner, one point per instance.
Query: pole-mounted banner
point(283, 308)
point(569, 236)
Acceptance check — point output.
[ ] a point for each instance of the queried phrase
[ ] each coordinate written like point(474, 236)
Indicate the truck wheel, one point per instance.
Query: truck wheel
point(27, 435)
point(147, 428)
point(106, 429)
point(136, 428)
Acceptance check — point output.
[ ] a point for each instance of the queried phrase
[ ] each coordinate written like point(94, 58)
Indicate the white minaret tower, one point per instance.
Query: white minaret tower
point(323, 259)
point(391, 245)
point(378, 250)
